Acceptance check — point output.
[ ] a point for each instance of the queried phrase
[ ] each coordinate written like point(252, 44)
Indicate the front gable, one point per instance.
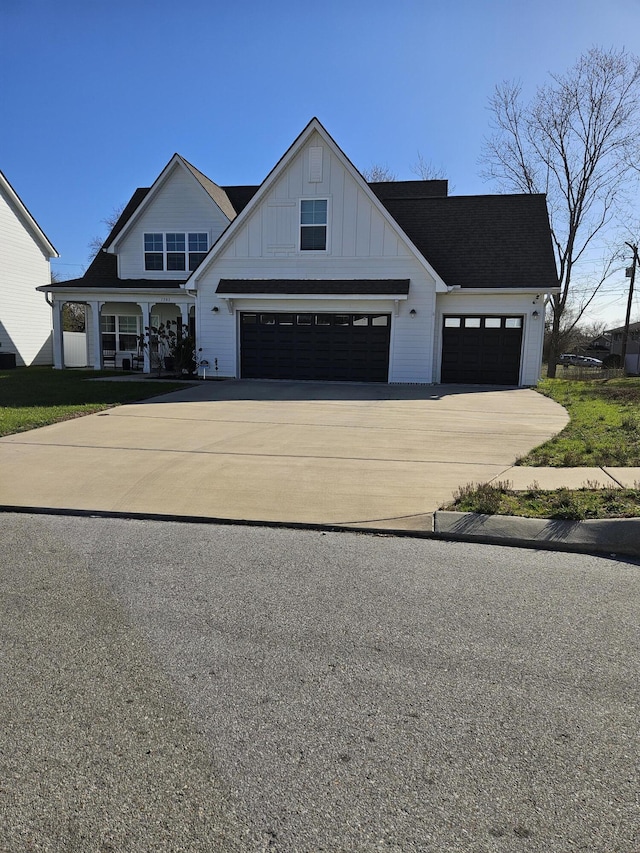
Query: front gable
point(315, 187)
point(177, 203)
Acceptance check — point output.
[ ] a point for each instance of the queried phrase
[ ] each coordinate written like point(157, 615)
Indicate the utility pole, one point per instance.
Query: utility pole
point(632, 276)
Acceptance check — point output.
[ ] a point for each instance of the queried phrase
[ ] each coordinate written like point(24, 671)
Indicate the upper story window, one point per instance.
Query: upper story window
point(154, 251)
point(175, 250)
point(313, 225)
point(198, 248)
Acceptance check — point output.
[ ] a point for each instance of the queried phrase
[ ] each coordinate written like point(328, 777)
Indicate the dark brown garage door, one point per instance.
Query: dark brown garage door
point(481, 350)
point(346, 347)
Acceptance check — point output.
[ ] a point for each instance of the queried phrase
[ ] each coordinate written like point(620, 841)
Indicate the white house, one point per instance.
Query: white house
point(316, 274)
point(25, 254)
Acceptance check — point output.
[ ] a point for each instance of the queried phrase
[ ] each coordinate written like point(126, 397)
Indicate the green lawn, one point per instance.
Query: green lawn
point(604, 430)
point(36, 396)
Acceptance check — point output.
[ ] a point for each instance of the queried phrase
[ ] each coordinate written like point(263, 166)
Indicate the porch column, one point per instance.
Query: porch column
point(146, 322)
point(184, 312)
point(58, 337)
point(96, 334)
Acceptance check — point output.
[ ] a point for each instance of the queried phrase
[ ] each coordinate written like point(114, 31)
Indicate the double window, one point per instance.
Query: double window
point(175, 250)
point(119, 332)
point(313, 225)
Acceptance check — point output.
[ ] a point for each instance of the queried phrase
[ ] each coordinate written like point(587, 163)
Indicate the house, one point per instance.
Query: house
point(632, 360)
point(25, 254)
point(317, 274)
point(633, 341)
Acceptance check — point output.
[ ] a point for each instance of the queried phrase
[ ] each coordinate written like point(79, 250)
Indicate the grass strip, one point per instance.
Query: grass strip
point(566, 504)
point(32, 397)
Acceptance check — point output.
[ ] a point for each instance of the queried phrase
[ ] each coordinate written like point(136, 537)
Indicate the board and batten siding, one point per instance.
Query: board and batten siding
point(498, 304)
point(180, 205)
point(356, 228)
point(25, 315)
point(361, 244)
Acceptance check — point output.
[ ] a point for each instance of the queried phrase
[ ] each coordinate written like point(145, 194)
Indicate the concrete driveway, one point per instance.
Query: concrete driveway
point(334, 453)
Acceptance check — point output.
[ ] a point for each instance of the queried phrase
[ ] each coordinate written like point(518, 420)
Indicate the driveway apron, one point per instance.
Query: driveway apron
point(319, 453)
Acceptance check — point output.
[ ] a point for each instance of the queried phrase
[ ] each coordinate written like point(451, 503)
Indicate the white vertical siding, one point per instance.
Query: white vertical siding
point(25, 316)
point(356, 228)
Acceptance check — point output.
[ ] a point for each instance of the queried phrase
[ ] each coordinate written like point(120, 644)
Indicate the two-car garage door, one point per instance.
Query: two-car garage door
point(322, 346)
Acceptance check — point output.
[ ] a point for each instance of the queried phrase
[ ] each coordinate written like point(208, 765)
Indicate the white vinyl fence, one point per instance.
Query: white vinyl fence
point(75, 349)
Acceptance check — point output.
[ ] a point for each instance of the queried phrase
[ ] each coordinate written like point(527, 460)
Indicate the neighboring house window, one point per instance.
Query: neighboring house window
point(169, 251)
point(313, 225)
point(119, 333)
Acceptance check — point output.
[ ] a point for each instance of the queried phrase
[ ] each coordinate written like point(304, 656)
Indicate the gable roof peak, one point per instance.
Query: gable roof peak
point(217, 195)
point(292, 151)
point(23, 211)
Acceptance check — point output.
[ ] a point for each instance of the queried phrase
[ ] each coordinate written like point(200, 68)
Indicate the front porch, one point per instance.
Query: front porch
point(114, 330)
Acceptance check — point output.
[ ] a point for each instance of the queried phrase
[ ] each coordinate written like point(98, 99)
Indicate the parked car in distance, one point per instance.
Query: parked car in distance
point(579, 360)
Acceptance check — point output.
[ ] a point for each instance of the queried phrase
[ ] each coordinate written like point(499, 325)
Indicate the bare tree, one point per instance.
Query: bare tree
point(95, 244)
point(378, 173)
point(426, 171)
point(575, 141)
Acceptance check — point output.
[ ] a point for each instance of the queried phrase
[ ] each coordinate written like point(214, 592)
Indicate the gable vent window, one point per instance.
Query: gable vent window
point(313, 225)
point(315, 165)
point(175, 250)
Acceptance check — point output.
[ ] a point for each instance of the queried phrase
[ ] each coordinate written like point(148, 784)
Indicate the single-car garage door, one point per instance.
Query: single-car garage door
point(481, 350)
point(347, 347)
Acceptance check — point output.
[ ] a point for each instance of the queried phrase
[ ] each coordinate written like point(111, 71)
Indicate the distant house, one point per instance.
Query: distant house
point(633, 341)
point(317, 274)
point(632, 361)
point(25, 254)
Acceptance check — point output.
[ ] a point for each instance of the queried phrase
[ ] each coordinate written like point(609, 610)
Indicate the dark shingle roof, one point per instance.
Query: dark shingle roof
point(240, 196)
point(132, 205)
point(358, 287)
point(409, 189)
point(481, 241)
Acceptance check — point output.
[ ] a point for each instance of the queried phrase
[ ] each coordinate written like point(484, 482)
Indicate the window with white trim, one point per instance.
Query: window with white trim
point(120, 332)
point(175, 251)
point(313, 224)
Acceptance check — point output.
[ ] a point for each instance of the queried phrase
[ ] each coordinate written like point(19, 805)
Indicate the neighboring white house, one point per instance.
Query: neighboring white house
point(25, 254)
point(316, 274)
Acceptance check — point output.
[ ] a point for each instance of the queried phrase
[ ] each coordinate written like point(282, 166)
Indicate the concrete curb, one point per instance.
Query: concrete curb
point(596, 536)
point(613, 537)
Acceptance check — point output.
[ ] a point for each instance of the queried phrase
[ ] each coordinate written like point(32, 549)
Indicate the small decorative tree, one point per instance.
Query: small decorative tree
point(170, 347)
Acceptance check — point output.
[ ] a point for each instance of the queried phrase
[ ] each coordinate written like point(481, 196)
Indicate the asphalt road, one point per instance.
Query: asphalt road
point(176, 687)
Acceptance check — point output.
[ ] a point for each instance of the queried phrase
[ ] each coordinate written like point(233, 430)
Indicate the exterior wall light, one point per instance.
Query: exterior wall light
point(412, 313)
point(535, 315)
point(215, 309)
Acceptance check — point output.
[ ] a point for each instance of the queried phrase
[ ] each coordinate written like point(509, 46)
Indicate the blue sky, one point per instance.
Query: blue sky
point(98, 95)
